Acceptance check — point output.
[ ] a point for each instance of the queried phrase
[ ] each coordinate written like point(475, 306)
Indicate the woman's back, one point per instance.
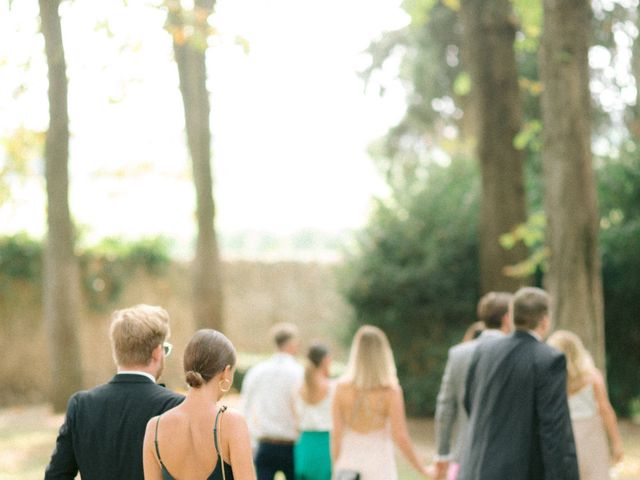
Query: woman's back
point(186, 445)
point(366, 443)
point(363, 410)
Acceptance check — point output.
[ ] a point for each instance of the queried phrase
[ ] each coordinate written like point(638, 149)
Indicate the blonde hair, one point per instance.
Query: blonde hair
point(135, 332)
point(371, 363)
point(579, 361)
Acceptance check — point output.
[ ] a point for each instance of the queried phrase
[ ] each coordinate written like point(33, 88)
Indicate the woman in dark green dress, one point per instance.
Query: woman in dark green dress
point(199, 438)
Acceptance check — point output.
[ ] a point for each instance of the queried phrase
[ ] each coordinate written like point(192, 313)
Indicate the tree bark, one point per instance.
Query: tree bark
point(574, 279)
point(61, 282)
point(190, 54)
point(488, 36)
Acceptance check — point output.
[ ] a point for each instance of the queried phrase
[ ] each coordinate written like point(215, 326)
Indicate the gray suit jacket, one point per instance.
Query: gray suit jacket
point(451, 417)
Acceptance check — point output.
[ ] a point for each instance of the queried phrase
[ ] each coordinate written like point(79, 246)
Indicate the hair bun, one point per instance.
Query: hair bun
point(194, 379)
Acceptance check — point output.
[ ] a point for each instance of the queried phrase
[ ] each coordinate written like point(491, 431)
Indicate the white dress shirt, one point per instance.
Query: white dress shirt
point(137, 372)
point(267, 398)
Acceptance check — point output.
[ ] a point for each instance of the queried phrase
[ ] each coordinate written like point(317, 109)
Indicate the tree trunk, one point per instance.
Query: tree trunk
point(633, 113)
point(574, 279)
point(190, 54)
point(61, 282)
point(488, 36)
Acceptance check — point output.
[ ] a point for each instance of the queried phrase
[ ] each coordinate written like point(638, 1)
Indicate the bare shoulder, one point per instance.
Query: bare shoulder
point(151, 429)
point(232, 419)
point(342, 388)
point(597, 380)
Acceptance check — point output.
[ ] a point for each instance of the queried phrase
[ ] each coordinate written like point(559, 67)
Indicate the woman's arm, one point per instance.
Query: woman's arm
point(150, 462)
point(338, 423)
point(240, 453)
point(608, 416)
point(400, 432)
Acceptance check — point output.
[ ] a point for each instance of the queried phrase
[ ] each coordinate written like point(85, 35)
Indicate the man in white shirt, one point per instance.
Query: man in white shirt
point(268, 405)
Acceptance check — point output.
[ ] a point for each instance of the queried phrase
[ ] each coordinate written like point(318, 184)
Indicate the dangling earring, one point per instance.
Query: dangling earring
point(225, 388)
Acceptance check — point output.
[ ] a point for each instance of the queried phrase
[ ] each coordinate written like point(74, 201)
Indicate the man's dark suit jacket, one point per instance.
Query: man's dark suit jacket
point(519, 427)
point(104, 429)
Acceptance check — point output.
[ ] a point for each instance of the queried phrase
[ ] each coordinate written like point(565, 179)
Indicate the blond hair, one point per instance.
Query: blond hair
point(135, 332)
point(579, 361)
point(371, 363)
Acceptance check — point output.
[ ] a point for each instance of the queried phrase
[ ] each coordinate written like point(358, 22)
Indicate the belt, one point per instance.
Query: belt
point(276, 441)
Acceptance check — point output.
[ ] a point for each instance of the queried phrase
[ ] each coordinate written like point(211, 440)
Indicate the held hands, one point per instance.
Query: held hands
point(438, 470)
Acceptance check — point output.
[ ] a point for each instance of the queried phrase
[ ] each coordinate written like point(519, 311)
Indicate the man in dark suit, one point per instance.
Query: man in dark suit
point(516, 397)
point(104, 427)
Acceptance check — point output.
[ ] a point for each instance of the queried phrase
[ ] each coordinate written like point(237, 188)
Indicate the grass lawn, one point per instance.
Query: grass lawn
point(27, 437)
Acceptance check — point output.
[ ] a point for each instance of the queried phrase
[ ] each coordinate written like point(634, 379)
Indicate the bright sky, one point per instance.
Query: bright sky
point(291, 120)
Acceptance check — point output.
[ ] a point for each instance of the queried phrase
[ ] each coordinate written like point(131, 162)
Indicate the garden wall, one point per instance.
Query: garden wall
point(257, 295)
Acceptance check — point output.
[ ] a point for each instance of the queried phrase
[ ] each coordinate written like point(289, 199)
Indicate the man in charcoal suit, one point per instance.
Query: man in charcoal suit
point(104, 427)
point(516, 397)
point(451, 417)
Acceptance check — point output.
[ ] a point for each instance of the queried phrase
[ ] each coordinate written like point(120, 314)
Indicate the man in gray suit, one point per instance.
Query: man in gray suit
point(451, 417)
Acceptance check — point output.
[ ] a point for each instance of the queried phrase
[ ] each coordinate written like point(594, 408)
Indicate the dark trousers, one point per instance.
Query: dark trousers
point(272, 458)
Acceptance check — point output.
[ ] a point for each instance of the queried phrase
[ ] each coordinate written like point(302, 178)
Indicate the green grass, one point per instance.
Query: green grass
point(27, 438)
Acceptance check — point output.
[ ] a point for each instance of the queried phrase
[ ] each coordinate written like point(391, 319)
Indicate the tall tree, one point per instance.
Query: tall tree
point(190, 31)
point(574, 278)
point(61, 283)
point(489, 29)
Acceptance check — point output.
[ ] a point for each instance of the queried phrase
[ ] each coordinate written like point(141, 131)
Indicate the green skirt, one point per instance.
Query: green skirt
point(312, 457)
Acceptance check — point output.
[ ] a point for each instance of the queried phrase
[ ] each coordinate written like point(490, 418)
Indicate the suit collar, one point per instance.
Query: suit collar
point(526, 334)
point(130, 378)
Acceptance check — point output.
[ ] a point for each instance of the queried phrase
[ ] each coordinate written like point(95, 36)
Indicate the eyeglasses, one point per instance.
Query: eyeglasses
point(167, 348)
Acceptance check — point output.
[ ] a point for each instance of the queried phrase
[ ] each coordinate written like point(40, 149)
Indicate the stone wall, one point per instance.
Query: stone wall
point(257, 295)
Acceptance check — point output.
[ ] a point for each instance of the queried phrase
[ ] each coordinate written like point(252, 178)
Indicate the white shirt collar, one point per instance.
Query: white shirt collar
point(137, 372)
point(492, 332)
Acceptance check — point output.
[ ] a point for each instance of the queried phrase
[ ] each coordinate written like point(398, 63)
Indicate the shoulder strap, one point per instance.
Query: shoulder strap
point(216, 430)
point(216, 440)
point(155, 441)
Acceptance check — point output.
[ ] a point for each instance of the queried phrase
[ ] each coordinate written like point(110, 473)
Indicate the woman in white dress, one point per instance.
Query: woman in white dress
point(368, 413)
point(592, 416)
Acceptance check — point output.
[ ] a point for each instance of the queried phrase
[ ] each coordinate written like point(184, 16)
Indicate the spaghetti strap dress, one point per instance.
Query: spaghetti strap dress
point(217, 473)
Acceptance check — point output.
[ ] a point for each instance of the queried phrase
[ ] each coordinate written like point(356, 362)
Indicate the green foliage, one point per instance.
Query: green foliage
point(107, 266)
point(20, 258)
point(619, 196)
point(19, 150)
point(532, 234)
point(104, 268)
point(415, 275)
